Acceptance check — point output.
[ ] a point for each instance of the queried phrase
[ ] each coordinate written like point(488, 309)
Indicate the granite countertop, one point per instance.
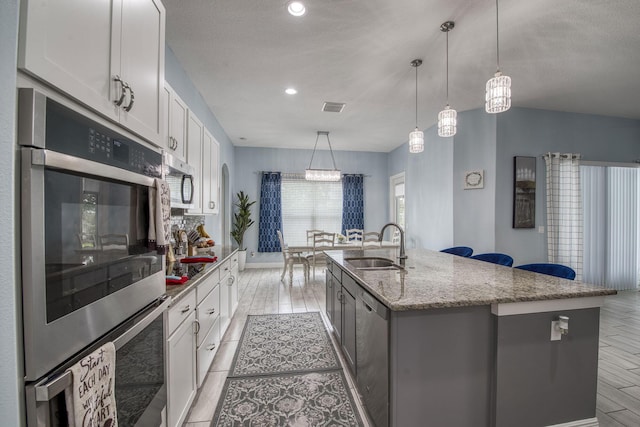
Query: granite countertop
point(176, 292)
point(438, 280)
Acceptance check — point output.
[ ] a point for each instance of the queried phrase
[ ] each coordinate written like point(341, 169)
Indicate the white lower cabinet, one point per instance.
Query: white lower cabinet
point(181, 366)
point(197, 322)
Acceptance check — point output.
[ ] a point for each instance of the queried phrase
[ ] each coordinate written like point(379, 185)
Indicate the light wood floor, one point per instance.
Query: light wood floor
point(261, 292)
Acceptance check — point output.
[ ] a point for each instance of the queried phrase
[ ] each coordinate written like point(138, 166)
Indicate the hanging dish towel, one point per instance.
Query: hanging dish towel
point(160, 216)
point(91, 402)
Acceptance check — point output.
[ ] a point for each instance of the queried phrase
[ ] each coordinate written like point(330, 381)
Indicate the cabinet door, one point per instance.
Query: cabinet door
point(178, 120)
point(349, 329)
point(69, 44)
point(142, 66)
point(181, 366)
point(194, 158)
point(329, 295)
point(225, 307)
point(337, 310)
point(233, 291)
point(210, 159)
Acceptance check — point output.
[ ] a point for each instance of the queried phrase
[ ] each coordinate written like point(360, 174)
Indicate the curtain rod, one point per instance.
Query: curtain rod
point(564, 156)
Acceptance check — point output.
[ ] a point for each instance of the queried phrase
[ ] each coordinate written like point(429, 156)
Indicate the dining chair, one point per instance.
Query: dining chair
point(464, 251)
point(495, 258)
point(291, 259)
point(557, 270)
point(371, 238)
point(354, 235)
point(310, 234)
point(321, 241)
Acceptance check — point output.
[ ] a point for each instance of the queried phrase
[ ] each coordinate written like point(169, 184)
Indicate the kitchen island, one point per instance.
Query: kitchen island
point(451, 341)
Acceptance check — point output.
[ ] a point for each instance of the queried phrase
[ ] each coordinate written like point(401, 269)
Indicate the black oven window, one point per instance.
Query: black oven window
point(140, 374)
point(96, 239)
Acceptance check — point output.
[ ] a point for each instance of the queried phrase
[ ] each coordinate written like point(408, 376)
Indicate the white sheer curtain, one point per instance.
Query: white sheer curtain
point(564, 211)
point(611, 226)
point(309, 205)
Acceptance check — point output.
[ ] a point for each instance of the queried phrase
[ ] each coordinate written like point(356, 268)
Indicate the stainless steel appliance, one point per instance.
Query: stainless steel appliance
point(181, 178)
point(140, 384)
point(372, 355)
point(86, 265)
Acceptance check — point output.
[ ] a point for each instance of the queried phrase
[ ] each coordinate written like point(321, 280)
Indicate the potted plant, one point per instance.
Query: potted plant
point(241, 222)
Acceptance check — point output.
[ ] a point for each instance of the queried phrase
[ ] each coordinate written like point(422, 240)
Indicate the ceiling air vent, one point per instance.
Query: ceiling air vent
point(333, 107)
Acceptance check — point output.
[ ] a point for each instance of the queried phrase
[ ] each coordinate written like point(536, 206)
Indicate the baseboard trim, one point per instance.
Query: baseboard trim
point(587, 422)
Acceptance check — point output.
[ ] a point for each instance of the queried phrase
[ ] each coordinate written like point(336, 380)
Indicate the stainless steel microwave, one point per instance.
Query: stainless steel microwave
point(181, 179)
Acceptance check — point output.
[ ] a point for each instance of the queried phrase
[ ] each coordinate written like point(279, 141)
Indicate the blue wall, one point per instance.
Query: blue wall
point(250, 161)
point(428, 191)
point(441, 213)
point(182, 84)
point(530, 132)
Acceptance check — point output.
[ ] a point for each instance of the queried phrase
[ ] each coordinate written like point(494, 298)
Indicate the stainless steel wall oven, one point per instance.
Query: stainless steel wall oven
point(86, 262)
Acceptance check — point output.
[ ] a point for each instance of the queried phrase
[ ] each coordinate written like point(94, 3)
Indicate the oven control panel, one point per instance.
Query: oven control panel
point(71, 133)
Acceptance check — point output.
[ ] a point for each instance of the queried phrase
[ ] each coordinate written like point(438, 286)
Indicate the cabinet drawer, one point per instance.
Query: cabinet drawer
point(225, 268)
point(207, 350)
point(234, 259)
point(207, 284)
point(337, 272)
point(207, 312)
point(350, 285)
point(181, 310)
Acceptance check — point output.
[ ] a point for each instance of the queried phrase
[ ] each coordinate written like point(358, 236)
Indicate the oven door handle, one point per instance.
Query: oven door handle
point(61, 161)
point(48, 390)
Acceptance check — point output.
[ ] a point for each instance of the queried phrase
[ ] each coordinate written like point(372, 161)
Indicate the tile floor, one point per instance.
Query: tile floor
point(261, 292)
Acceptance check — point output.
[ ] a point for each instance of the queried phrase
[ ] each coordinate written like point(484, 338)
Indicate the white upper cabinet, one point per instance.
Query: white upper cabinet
point(210, 168)
point(194, 158)
point(109, 55)
point(176, 116)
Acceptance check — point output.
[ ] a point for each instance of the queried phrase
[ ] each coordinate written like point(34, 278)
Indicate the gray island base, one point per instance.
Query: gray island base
point(450, 341)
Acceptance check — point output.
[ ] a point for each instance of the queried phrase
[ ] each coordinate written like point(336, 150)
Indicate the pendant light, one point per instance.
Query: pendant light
point(447, 117)
point(322, 174)
point(416, 138)
point(498, 96)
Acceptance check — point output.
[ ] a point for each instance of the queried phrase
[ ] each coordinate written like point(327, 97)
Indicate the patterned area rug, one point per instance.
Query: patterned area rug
point(295, 400)
point(279, 343)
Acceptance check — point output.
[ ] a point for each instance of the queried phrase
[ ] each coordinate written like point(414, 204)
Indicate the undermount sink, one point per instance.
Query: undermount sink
point(373, 263)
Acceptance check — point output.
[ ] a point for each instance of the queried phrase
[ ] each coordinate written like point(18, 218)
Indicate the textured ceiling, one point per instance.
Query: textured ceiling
point(569, 55)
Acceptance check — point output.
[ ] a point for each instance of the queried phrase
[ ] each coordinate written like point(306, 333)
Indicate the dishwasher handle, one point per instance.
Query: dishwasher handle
point(372, 305)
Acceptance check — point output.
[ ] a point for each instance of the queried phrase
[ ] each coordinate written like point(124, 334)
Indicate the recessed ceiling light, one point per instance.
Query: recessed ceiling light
point(290, 91)
point(296, 8)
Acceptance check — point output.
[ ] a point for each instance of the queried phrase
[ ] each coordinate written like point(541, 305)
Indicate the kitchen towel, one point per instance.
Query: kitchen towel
point(91, 402)
point(199, 258)
point(160, 216)
point(176, 280)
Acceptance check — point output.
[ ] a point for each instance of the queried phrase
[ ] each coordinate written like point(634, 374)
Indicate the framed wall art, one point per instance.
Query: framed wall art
point(524, 192)
point(474, 179)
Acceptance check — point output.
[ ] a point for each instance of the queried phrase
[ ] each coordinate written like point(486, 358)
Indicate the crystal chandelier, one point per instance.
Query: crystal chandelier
point(416, 138)
point(322, 174)
point(447, 117)
point(498, 95)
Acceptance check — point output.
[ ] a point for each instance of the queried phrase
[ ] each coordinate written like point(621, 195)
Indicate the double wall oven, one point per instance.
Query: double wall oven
point(88, 275)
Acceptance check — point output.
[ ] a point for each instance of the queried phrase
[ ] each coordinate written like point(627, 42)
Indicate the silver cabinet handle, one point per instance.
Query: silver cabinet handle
point(212, 205)
point(186, 308)
point(197, 324)
point(211, 347)
point(123, 87)
point(231, 280)
point(212, 311)
point(132, 94)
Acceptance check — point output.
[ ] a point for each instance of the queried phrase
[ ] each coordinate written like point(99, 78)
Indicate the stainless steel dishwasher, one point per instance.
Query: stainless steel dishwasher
point(372, 356)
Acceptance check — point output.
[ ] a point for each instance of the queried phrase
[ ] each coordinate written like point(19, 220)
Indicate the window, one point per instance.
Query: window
point(309, 205)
